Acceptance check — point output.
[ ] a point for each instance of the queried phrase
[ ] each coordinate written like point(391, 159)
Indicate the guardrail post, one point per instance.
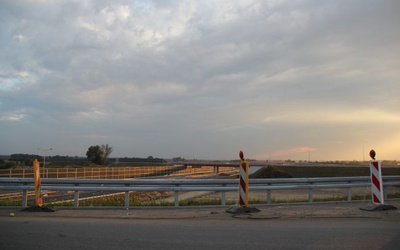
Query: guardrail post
point(127, 199)
point(268, 196)
point(349, 194)
point(223, 199)
point(76, 198)
point(223, 203)
point(176, 199)
point(24, 198)
point(310, 195)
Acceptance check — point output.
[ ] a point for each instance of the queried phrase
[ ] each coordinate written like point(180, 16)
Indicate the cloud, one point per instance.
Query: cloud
point(288, 153)
point(366, 116)
point(201, 79)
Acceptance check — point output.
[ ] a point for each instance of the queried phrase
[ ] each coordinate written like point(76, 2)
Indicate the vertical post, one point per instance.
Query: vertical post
point(176, 199)
point(24, 198)
point(268, 196)
point(376, 182)
point(76, 199)
point(376, 179)
point(44, 159)
point(37, 183)
point(242, 207)
point(223, 196)
point(349, 194)
point(127, 199)
point(310, 195)
point(243, 182)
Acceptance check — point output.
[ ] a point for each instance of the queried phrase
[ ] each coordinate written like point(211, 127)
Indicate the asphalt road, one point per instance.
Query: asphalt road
point(235, 233)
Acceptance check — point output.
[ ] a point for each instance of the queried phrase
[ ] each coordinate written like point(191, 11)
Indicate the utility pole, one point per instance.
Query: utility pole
point(44, 159)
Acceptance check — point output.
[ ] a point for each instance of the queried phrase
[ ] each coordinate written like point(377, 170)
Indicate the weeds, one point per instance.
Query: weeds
point(119, 201)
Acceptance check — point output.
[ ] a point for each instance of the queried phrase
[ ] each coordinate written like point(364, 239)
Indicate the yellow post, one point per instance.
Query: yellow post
point(37, 183)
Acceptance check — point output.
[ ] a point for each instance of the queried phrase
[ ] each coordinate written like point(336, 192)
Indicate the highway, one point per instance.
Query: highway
point(39, 233)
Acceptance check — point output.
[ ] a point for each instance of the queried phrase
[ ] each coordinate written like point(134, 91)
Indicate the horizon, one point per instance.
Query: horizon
point(196, 159)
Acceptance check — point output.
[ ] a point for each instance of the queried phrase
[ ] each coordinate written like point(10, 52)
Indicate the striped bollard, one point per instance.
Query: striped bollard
point(242, 207)
point(376, 182)
point(376, 179)
point(377, 186)
point(244, 181)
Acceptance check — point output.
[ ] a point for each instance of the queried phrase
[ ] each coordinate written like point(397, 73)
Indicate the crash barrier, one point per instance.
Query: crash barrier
point(183, 185)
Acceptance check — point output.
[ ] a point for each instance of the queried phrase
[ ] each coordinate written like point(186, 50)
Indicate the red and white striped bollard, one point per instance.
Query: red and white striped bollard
point(376, 180)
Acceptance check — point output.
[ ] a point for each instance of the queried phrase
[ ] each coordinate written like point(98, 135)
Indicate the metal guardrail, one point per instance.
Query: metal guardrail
point(184, 185)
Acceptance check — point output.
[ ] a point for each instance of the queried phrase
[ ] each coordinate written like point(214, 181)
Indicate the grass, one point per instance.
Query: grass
point(136, 201)
point(118, 201)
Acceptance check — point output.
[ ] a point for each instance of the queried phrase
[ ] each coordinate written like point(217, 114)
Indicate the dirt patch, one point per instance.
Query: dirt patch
point(287, 171)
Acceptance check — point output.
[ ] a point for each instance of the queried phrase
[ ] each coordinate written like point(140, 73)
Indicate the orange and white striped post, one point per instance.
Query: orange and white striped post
point(37, 183)
point(242, 207)
point(244, 181)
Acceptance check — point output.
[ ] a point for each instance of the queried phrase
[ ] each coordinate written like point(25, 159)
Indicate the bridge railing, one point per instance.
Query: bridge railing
point(184, 185)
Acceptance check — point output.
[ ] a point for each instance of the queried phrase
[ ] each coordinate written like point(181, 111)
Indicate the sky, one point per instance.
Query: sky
point(300, 80)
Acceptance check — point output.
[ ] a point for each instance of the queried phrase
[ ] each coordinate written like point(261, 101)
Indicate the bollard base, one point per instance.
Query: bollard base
point(381, 207)
point(37, 209)
point(242, 210)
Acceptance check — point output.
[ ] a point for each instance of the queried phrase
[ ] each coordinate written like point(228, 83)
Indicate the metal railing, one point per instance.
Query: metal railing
point(185, 185)
point(110, 172)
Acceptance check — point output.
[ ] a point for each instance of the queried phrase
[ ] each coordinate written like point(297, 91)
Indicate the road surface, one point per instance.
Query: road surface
point(236, 233)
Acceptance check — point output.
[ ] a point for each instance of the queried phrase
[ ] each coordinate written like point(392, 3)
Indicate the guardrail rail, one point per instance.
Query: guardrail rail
point(183, 185)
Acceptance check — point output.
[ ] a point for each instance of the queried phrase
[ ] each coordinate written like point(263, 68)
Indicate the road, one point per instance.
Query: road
point(235, 233)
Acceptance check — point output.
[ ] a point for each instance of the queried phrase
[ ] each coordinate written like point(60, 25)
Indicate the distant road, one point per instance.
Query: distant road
point(84, 233)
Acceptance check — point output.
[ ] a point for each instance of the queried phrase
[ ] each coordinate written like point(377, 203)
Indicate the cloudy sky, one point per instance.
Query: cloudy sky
point(298, 80)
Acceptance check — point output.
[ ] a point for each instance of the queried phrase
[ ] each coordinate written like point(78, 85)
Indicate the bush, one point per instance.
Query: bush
point(6, 164)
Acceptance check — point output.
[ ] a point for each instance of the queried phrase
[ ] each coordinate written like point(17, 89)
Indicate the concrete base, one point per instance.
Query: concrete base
point(37, 209)
point(382, 207)
point(242, 210)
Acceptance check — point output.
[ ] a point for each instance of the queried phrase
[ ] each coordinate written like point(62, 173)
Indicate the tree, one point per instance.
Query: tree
point(106, 150)
point(99, 154)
